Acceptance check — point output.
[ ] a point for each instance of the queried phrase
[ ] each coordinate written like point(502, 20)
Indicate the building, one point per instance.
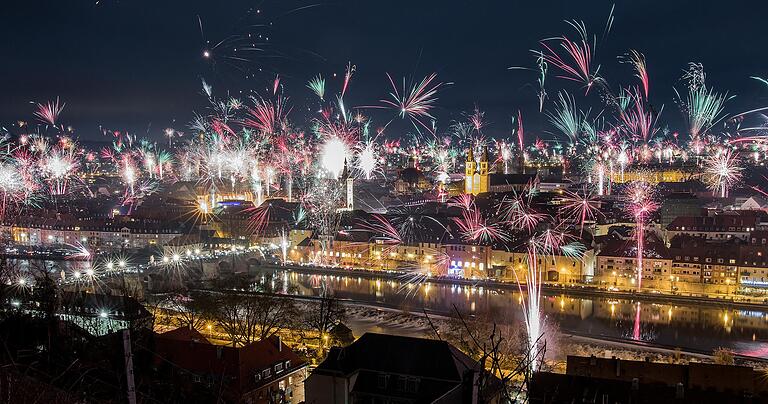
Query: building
point(348, 201)
point(617, 263)
point(478, 179)
point(97, 314)
point(266, 371)
point(613, 380)
point(476, 175)
point(101, 233)
point(512, 265)
point(388, 369)
point(677, 205)
point(434, 250)
point(653, 174)
point(752, 262)
point(721, 226)
point(708, 263)
point(411, 180)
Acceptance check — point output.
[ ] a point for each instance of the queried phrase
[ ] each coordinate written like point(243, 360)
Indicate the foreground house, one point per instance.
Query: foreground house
point(611, 380)
point(387, 368)
point(266, 371)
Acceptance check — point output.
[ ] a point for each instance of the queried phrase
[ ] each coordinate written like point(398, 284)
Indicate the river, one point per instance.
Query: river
point(690, 326)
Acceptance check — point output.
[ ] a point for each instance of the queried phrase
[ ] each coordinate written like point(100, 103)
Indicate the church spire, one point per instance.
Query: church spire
point(345, 172)
point(470, 156)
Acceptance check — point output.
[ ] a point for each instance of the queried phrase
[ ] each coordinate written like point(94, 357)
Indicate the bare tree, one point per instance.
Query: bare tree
point(192, 310)
point(273, 314)
point(505, 360)
point(247, 318)
point(229, 317)
point(321, 316)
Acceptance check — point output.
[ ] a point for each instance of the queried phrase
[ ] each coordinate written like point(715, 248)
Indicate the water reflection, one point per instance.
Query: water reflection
point(692, 327)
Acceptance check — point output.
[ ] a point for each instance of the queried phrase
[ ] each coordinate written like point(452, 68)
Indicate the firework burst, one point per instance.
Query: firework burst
point(722, 171)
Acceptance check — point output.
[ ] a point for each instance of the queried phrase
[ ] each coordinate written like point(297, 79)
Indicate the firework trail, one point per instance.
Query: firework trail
point(567, 118)
point(576, 64)
point(367, 158)
point(520, 132)
point(638, 122)
point(640, 204)
point(475, 228)
point(317, 85)
point(637, 60)
point(702, 108)
point(347, 77)
point(59, 166)
point(380, 225)
point(517, 211)
point(266, 116)
point(415, 102)
point(49, 112)
point(542, 64)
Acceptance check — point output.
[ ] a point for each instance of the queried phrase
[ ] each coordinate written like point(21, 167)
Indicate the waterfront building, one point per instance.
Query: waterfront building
point(617, 263)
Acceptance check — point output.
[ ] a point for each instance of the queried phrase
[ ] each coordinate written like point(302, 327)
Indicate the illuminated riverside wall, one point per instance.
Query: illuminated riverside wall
point(451, 259)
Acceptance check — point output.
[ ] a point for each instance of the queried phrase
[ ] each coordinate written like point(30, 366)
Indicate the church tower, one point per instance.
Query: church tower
point(469, 172)
point(350, 183)
point(483, 171)
point(477, 175)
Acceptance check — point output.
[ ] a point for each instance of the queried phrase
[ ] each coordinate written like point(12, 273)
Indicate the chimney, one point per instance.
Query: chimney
point(279, 344)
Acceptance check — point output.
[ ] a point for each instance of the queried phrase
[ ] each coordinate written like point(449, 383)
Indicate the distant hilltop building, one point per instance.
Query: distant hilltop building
point(411, 180)
point(654, 174)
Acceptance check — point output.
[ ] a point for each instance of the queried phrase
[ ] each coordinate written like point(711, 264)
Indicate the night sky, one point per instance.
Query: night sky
point(137, 64)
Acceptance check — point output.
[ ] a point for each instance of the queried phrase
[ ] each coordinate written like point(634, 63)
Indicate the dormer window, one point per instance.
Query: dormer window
point(381, 381)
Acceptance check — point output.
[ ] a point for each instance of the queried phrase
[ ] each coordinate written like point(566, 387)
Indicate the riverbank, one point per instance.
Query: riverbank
point(363, 318)
point(574, 290)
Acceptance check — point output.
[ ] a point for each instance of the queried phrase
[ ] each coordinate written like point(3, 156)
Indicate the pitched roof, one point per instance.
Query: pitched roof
point(654, 248)
point(186, 334)
point(441, 369)
point(419, 357)
point(239, 364)
point(511, 179)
